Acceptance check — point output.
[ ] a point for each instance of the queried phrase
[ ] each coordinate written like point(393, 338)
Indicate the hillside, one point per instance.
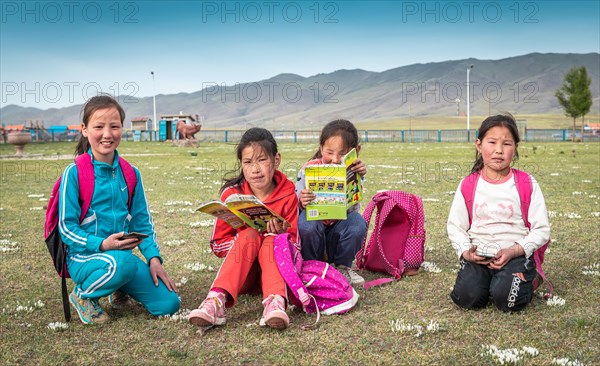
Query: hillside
point(522, 85)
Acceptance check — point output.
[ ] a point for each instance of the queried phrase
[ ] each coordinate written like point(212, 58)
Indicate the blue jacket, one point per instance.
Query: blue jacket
point(108, 212)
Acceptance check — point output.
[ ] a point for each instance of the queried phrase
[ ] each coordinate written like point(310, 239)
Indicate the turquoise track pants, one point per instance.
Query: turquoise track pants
point(100, 274)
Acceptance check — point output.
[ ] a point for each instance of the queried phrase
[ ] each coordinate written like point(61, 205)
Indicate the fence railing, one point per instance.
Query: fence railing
point(399, 136)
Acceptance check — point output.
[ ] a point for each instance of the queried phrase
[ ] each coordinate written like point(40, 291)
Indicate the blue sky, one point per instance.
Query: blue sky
point(54, 53)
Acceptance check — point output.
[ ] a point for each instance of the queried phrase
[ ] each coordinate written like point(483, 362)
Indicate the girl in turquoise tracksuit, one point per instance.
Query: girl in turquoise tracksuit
point(100, 261)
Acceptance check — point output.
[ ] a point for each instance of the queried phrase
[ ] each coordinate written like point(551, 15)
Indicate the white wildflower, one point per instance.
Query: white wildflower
point(566, 362)
point(573, 215)
point(576, 193)
point(181, 282)
point(592, 269)
point(532, 351)
point(399, 326)
point(203, 223)
point(552, 214)
point(24, 309)
point(509, 356)
point(555, 301)
point(35, 195)
point(430, 200)
point(430, 267)
point(196, 267)
point(26, 325)
point(35, 208)
point(596, 214)
point(180, 315)
point(554, 174)
point(586, 181)
point(43, 199)
point(58, 326)
point(8, 246)
point(174, 243)
point(433, 326)
point(175, 203)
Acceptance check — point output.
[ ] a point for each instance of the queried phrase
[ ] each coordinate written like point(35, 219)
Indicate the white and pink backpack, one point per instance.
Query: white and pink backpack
point(315, 286)
point(397, 244)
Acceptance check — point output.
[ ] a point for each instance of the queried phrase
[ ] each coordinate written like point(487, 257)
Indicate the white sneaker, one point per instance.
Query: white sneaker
point(353, 277)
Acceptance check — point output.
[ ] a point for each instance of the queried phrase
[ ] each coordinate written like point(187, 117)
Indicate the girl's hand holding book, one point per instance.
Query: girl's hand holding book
point(275, 227)
point(359, 167)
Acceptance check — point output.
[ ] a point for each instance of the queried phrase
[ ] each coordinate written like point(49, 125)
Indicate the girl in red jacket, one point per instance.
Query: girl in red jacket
point(249, 265)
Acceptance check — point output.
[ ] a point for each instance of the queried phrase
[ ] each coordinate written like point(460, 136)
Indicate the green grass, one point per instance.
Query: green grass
point(568, 174)
point(540, 121)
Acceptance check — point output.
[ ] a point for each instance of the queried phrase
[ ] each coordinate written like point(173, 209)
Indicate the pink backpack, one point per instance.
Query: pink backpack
point(397, 243)
point(525, 188)
point(315, 286)
point(56, 247)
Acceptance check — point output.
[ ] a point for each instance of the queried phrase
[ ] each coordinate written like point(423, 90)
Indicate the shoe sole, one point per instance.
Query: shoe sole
point(276, 323)
point(198, 320)
point(83, 319)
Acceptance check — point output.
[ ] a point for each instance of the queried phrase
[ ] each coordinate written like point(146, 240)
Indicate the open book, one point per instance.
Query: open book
point(241, 209)
point(336, 187)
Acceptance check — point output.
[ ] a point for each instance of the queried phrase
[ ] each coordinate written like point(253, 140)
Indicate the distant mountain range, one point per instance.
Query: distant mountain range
point(522, 84)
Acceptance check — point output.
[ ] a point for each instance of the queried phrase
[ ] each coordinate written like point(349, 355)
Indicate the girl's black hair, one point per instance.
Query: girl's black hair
point(504, 120)
point(340, 127)
point(92, 105)
point(254, 136)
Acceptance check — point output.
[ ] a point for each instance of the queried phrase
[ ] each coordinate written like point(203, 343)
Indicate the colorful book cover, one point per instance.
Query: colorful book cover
point(328, 183)
point(239, 210)
point(353, 181)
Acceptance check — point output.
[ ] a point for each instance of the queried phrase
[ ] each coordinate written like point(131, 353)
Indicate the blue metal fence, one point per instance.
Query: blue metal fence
point(312, 136)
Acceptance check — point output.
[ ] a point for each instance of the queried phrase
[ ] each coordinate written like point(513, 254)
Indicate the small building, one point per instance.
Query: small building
point(141, 123)
point(168, 124)
point(14, 128)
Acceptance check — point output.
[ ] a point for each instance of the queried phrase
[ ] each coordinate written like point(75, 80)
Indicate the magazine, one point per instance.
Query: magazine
point(239, 210)
point(336, 187)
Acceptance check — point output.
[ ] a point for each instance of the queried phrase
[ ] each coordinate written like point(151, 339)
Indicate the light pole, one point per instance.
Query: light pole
point(468, 104)
point(153, 100)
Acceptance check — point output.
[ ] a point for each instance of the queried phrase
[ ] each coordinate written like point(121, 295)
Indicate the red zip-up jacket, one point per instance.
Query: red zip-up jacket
point(282, 200)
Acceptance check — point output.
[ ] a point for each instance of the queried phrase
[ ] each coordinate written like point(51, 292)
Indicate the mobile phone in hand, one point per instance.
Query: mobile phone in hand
point(134, 235)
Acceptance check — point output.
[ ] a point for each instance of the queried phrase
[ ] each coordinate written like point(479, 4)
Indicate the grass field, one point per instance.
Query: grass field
point(376, 332)
point(540, 121)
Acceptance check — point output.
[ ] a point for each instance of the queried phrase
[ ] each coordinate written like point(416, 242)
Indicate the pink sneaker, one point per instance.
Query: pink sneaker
point(274, 314)
point(211, 311)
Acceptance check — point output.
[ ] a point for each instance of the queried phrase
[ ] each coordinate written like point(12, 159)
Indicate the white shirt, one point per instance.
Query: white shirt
point(497, 221)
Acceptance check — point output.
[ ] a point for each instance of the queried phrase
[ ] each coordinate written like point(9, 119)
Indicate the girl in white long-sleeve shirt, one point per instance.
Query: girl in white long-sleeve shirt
point(494, 245)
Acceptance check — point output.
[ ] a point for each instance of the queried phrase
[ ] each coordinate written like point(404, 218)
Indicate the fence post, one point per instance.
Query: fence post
point(225, 137)
point(366, 136)
point(295, 137)
point(564, 135)
point(439, 136)
point(402, 135)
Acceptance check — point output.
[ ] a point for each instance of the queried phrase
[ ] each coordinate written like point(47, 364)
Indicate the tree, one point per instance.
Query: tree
point(575, 95)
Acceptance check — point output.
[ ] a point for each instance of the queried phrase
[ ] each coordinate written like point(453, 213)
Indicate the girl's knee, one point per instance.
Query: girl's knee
point(467, 299)
point(126, 269)
point(513, 300)
point(167, 305)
